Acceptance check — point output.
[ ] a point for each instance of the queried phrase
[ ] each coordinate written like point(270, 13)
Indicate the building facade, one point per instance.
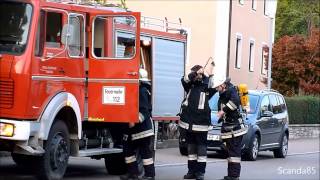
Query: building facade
point(233, 32)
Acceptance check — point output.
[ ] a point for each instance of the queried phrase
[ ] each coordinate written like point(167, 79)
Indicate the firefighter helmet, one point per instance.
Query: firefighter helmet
point(218, 80)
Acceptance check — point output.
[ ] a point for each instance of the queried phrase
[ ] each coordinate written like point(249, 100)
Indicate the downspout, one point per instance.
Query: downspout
point(229, 38)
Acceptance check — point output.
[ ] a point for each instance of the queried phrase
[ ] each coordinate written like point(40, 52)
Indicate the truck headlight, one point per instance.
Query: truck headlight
point(6, 129)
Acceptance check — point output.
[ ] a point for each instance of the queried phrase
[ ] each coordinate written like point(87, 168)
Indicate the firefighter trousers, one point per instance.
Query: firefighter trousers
point(234, 156)
point(140, 147)
point(197, 152)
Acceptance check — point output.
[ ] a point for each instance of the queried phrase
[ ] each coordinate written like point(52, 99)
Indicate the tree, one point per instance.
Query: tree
point(297, 17)
point(296, 64)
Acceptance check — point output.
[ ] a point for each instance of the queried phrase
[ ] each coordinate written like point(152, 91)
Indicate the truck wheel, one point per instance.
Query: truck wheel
point(115, 164)
point(252, 153)
point(283, 150)
point(54, 162)
point(24, 161)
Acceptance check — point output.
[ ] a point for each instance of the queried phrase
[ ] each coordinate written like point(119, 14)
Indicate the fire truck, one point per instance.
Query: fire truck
point(69, 79)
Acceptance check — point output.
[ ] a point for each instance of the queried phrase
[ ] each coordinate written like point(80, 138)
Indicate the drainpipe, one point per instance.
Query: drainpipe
point(229, 38)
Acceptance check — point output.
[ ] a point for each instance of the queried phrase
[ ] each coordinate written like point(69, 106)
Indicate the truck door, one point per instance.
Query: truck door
point(113, 65)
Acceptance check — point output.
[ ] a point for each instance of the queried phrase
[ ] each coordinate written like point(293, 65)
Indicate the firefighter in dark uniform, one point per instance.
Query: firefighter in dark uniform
point(232, 128)
point(195, 119)
point(140, 135)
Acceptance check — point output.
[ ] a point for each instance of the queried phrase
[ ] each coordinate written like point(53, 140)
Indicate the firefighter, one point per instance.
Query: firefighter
point(232, 128)
point(195, 119)
point(139, 136)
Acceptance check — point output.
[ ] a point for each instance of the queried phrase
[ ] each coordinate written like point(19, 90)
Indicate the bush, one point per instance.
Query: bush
point(303, 109)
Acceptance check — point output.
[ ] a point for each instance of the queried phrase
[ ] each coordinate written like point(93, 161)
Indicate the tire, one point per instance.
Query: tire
point(54, 162)
point(283, 150)
point(252, 153)
point(25, 161)
point(115, 164)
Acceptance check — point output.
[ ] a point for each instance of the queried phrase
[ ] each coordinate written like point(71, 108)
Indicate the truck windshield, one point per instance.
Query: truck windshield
point(15, 18)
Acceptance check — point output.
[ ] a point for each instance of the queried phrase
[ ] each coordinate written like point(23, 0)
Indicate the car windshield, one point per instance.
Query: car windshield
point(252, 98)
point(15, 18)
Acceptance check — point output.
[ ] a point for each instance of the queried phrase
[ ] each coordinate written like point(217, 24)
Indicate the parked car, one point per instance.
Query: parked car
point(267, 122)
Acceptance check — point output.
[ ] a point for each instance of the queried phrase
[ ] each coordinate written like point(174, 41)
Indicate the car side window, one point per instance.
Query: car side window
point(282, 104)
point(274, 104)
point(265, 105)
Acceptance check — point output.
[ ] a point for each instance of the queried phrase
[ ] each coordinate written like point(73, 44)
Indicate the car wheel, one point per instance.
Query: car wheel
point(54, 162)
point(252, 153)
point(283, 150)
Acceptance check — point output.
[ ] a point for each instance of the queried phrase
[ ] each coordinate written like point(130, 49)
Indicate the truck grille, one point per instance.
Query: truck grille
point(6, 93)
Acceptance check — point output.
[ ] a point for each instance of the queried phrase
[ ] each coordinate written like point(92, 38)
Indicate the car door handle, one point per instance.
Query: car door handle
point(132, 73)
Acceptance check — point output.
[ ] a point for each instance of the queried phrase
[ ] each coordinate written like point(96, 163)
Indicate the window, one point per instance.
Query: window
point(241, 2)
point(253, 103)
point(238, 51)
point(254, 5)
point(251, 56)
point(15, 19)
point(282, 104)
point(76, 39)
point(264, 59)
point(114, 37)
point(265, 105)
point(265, 7)
point(53, 29)
point(274, 104)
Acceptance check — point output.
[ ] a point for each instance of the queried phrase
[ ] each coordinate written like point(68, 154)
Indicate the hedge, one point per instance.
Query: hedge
point(303, 109)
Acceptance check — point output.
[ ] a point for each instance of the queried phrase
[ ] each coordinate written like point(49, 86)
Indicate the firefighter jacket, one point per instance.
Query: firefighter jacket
point(232, 123)
point(195, 113)
point(145, 126)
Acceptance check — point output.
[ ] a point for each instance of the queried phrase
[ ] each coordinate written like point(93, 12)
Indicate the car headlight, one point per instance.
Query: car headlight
point(6, 129)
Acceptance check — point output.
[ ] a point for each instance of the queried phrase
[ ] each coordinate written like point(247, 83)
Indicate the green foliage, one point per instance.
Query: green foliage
point(296, 17)
point(303, 109)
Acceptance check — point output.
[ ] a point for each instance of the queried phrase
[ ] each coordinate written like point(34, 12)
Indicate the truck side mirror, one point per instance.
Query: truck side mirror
point(266, 114)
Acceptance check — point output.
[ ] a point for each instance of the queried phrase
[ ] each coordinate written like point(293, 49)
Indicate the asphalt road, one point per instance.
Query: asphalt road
point(302, 163)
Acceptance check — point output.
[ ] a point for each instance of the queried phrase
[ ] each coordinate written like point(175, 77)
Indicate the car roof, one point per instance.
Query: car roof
point(263, 92)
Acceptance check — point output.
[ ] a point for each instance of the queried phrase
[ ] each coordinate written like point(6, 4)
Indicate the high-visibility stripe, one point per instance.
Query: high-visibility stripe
point(185, 102)
point(195, 127)
point(202, 100)
point(202, 159)
point(142, 134)
point(141, 117)
point(200, 127)
point(232, 104)
point(147, 162)
point(130, 159)
point(192, 157)
point(234, 160)
point(236, 133)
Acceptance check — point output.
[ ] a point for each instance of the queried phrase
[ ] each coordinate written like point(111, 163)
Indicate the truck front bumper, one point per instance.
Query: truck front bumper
point(22, 130)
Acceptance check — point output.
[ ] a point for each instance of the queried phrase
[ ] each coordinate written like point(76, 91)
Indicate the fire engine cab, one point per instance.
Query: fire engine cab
point(69, 79)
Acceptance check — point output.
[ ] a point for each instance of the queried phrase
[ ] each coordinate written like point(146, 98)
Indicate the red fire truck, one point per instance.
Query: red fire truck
point(69, 79)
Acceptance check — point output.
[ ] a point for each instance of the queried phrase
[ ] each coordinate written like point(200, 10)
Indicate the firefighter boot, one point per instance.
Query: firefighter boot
point(129, 177)
point(199, 176)
point(189, 175)
point(230, 178)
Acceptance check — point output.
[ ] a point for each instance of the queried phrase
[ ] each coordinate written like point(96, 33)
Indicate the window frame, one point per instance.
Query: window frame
point(84, 36)
point(238, 52)
point(113, 38)
point(254, 5)
point(269, 105)
point(251, 55)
